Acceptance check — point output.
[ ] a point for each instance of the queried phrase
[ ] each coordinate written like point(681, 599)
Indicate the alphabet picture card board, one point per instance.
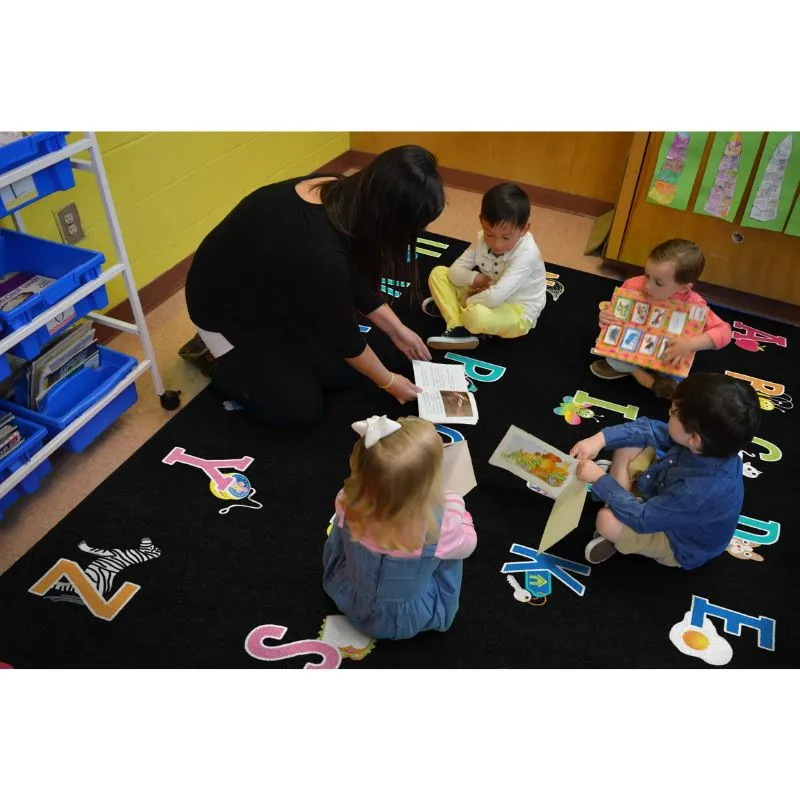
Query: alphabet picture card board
point(646, 327)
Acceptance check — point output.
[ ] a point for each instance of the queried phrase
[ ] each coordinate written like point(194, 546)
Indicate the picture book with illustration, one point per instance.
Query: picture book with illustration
point(446, 397)
point(646, 327)
point(548, 471)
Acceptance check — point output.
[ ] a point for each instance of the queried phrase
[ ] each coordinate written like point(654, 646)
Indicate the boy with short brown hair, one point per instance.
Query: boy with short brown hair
point(497, 288)
point(674, 490)
point(671, 270)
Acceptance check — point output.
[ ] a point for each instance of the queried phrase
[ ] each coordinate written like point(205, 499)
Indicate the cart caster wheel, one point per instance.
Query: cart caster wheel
point(170, 400)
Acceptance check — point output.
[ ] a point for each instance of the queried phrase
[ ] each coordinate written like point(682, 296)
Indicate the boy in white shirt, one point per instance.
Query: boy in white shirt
point(499, 287)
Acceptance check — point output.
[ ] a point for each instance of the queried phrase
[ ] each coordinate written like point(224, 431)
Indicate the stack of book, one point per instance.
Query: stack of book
point(17, 287)
point(7, 137)
point(73, 350)
point(10, 436)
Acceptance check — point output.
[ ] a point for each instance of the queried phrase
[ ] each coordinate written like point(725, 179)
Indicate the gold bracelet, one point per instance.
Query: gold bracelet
point(387, 385)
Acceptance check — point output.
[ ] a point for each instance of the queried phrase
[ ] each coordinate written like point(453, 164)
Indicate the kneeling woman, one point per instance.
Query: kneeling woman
point(274, 288)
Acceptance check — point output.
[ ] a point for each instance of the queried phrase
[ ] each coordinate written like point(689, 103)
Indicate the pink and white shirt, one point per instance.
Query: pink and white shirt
point(457, 537)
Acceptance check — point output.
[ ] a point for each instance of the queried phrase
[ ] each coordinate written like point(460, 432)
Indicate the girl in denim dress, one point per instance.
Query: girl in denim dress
point(393, 560)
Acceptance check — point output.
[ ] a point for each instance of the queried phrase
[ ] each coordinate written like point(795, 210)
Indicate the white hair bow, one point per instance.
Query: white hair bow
point(373, 429)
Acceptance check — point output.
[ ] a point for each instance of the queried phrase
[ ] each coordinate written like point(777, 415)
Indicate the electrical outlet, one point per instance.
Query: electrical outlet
point(69, 224)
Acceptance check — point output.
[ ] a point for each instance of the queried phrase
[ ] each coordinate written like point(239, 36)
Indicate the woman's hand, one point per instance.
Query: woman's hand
point(408, 342)
point(402, 389)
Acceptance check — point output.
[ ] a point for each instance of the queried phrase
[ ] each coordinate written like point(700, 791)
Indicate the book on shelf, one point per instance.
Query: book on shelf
point(445, 397)
point(10, 435)
point(75, 349)
point(644, 329)
point(7, 137)
point(17, 287)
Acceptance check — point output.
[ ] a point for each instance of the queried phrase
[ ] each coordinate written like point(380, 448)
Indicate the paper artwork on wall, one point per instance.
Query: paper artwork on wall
point(676, 168)
point(775, 183)
point(728, 169)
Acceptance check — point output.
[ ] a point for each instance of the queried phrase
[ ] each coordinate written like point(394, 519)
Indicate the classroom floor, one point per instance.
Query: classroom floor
point(561, 238)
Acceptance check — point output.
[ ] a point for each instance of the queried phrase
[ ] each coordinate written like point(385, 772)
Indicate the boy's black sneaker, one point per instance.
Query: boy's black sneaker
point(453, 339)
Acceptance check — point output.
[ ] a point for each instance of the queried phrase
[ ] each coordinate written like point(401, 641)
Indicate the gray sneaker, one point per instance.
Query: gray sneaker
point(453, 339)
point(599, 550)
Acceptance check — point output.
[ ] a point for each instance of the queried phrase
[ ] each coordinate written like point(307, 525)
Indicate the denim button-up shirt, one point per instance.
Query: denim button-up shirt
point(696, 500)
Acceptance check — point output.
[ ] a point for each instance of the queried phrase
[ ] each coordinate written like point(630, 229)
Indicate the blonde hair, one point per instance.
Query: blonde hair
point(395, 486)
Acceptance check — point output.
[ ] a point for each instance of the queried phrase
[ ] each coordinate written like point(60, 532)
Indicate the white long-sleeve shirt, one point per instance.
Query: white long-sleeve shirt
point(517, 276)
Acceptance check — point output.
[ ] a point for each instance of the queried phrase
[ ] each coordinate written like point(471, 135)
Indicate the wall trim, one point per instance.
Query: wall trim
point(151, 297)
point(474, 182)
point(732, 299)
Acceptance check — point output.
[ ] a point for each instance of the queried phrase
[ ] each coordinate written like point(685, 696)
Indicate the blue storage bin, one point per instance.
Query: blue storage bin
point(5, 367)
point(55, 178)
point(71, 266)
point(35, 436)
point(70, 397)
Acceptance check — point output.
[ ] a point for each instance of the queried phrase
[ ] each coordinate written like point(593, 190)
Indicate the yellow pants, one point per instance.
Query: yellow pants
point(505, 320)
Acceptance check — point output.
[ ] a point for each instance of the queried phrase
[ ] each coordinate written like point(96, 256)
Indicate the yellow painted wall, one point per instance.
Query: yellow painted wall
point(171, 189)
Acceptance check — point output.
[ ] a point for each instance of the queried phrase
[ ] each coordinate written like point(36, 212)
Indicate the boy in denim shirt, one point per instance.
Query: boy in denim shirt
point(681, 508)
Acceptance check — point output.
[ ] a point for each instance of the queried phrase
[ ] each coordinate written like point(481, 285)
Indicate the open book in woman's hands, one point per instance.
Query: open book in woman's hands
point(445, 397)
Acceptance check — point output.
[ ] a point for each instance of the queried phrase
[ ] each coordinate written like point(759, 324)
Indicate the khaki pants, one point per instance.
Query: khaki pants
point(505, 320)
point(652, 545)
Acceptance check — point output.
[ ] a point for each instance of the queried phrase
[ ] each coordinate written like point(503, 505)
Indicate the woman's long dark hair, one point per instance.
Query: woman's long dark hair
point(383, 208)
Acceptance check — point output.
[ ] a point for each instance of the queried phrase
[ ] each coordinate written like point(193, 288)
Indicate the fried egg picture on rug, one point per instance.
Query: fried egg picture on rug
point(704, 643)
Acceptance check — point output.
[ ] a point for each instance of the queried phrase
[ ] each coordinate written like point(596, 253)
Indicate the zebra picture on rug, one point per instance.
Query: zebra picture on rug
point(93, 585)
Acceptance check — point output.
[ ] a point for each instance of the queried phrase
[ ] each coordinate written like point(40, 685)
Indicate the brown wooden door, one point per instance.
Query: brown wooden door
point(765, 263)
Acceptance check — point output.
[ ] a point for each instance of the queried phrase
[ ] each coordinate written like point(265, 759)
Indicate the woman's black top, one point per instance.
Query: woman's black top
point(275, 261)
